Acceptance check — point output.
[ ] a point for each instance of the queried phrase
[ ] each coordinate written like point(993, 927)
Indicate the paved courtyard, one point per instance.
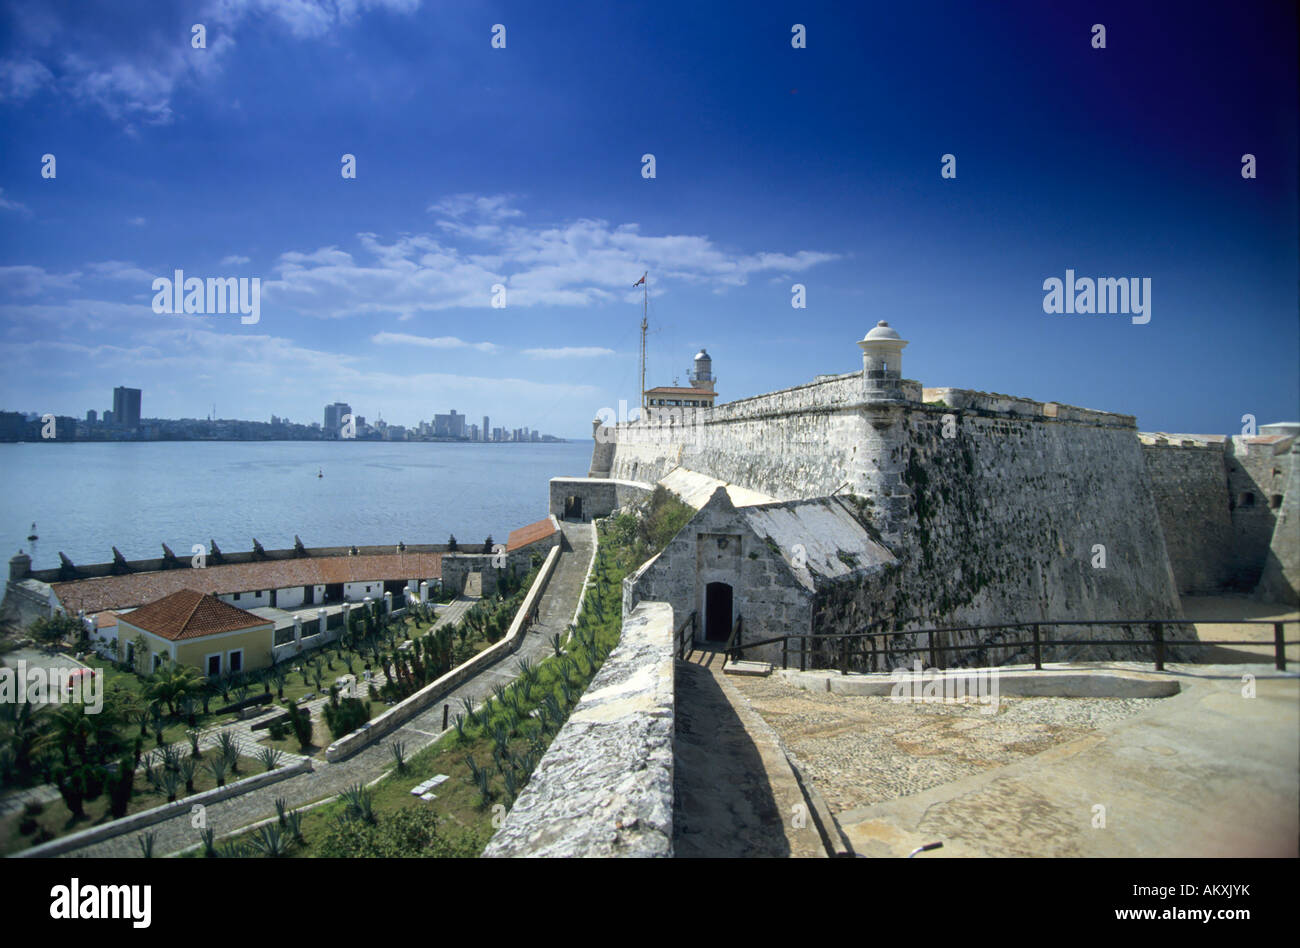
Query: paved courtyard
point(1207, 772)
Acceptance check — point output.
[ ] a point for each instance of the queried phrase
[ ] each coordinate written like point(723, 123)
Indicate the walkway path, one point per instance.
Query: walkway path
point(329, 779)
point(735, 794)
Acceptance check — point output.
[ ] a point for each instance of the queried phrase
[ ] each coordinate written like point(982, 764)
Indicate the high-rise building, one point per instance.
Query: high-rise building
point(449, 426)
point(92, 416)
point(126, 407)
point(334, 417)
point(487, 432)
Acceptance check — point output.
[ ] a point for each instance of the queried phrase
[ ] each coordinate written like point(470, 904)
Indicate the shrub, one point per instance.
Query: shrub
point(300, 721)
point(412, 831)
point(269, 841)
point(358, 804)
point(343, 716)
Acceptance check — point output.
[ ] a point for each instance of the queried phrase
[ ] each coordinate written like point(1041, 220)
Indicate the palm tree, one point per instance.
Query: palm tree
point(173, 683)
point(21, 724)
point(68, 729)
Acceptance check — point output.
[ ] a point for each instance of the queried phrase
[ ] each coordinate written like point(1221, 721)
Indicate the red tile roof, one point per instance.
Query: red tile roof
point(188, 614)
point(529, 534)
point(134, 589)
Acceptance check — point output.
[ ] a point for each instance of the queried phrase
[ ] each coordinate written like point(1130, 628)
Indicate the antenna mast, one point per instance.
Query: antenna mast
point(645, 310)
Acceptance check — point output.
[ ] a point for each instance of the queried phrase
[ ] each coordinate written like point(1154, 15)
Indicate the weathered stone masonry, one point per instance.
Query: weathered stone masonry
point(998, 509)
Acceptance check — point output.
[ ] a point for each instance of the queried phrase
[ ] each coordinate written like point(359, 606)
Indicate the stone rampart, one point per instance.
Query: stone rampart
point(605, 785)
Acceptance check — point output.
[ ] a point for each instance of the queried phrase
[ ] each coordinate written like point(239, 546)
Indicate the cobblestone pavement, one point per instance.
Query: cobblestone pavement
point(864, 750)
point(555, 611)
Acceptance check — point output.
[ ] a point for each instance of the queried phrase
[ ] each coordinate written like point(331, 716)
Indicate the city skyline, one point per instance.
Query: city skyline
point(125, 417)
point(382, 288)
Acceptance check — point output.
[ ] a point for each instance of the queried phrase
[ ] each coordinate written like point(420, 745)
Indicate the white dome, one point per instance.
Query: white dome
point(881, 332)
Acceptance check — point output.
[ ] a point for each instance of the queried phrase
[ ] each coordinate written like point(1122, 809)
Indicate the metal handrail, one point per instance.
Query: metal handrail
point(841, 642)
point(731, 651)
point(684, 641)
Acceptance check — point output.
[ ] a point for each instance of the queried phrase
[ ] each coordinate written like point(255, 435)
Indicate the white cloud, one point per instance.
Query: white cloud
point(21, 77)
point(136, 221)
point(28, 281)
point(495, 207)
point(135, 76)
point(235, 260)
point(581, 263)
point(429, 342)
point(10, 205)
point(121, 270)
point(569, 352)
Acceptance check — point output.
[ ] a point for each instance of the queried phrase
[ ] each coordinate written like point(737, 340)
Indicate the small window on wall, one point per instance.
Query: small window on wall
point(157, 660)
point(1247, 500)
point(237, 660)
point(214, 666)
point(236, 597)
point(1275, 502)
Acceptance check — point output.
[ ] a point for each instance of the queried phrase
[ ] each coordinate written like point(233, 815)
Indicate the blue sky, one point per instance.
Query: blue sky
point(522, 166)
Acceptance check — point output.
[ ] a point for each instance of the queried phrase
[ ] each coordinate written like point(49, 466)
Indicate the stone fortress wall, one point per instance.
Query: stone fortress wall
point(999, 508)
point(996, 522)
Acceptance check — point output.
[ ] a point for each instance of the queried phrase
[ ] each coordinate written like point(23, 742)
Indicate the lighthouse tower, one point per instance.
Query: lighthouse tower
point(702, 376)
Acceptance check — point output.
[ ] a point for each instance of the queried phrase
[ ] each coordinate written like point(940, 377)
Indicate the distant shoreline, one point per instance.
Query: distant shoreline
point(283, 441)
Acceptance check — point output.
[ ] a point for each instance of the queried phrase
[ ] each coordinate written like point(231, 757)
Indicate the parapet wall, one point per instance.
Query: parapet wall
point(808, 441)
point(796, 443)
point(605, 785)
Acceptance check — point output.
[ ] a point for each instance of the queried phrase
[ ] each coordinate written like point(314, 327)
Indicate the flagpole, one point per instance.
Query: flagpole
point(645, 311)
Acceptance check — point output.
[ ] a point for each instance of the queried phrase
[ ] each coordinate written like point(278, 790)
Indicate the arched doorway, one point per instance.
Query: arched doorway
point(573, 508)
point(717, 612)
